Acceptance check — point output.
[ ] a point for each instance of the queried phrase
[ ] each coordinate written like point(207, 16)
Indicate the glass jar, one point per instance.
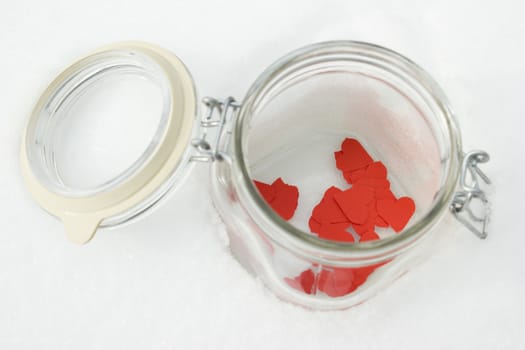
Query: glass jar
point(288, 125)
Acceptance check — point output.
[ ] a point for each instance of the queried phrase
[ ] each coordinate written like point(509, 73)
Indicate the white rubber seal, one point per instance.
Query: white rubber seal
point(82, 214)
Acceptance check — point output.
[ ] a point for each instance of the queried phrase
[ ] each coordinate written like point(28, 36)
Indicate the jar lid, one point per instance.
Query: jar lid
point(79, 106)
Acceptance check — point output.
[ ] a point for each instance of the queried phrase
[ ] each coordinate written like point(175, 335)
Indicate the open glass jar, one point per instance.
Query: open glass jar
point(289, 123)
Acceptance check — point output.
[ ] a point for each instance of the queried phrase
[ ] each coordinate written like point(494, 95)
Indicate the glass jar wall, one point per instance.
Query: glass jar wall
point(292, 120)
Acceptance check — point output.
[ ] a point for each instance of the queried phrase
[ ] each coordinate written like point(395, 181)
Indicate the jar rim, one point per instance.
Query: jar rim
point(300, 241)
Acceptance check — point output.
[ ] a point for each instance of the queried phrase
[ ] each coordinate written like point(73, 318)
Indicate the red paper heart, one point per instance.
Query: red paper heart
point(381, 184)
point(283, 198)
point(336, 282)
point(369, 236)
point(285, 204)
point(307, 279)
point(340, 160)
point(396, 213)
point(294, 283)
point(279, 185)
point(353, 202)
point(363, 228)
point(352, 156)
point(353, 149)
point(304, 282)
point(370, 222)
point(357, 194)
point(380, 222)
point(376, 170)
point(354, 176)
point(333, 281)
point(266, 191)
point(384, 193)
point(314, 225)
point(336, 232)
point(361, 274)
point(327, 211)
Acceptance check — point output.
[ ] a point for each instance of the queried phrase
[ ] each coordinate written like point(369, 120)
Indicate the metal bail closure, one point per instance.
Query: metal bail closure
point(470, 205)
point(216, 125)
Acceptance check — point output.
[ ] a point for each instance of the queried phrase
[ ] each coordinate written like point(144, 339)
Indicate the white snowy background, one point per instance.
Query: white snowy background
point(167, 282)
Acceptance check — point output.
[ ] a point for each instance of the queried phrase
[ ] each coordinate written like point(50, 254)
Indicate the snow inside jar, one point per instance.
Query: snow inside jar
point(331, 175)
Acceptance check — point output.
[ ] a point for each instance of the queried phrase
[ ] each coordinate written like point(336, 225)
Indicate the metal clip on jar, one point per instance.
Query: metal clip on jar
point(289, 123)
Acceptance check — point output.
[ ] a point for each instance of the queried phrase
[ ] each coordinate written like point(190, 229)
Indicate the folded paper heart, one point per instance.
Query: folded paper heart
point(283, 198)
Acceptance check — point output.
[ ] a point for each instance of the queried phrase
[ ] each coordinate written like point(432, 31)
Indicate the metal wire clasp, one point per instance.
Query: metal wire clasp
point(210, 150)
point(470, 192)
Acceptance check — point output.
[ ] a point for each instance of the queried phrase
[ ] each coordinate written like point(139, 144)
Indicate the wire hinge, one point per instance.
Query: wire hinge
point(470, 205)
point(216, 129)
